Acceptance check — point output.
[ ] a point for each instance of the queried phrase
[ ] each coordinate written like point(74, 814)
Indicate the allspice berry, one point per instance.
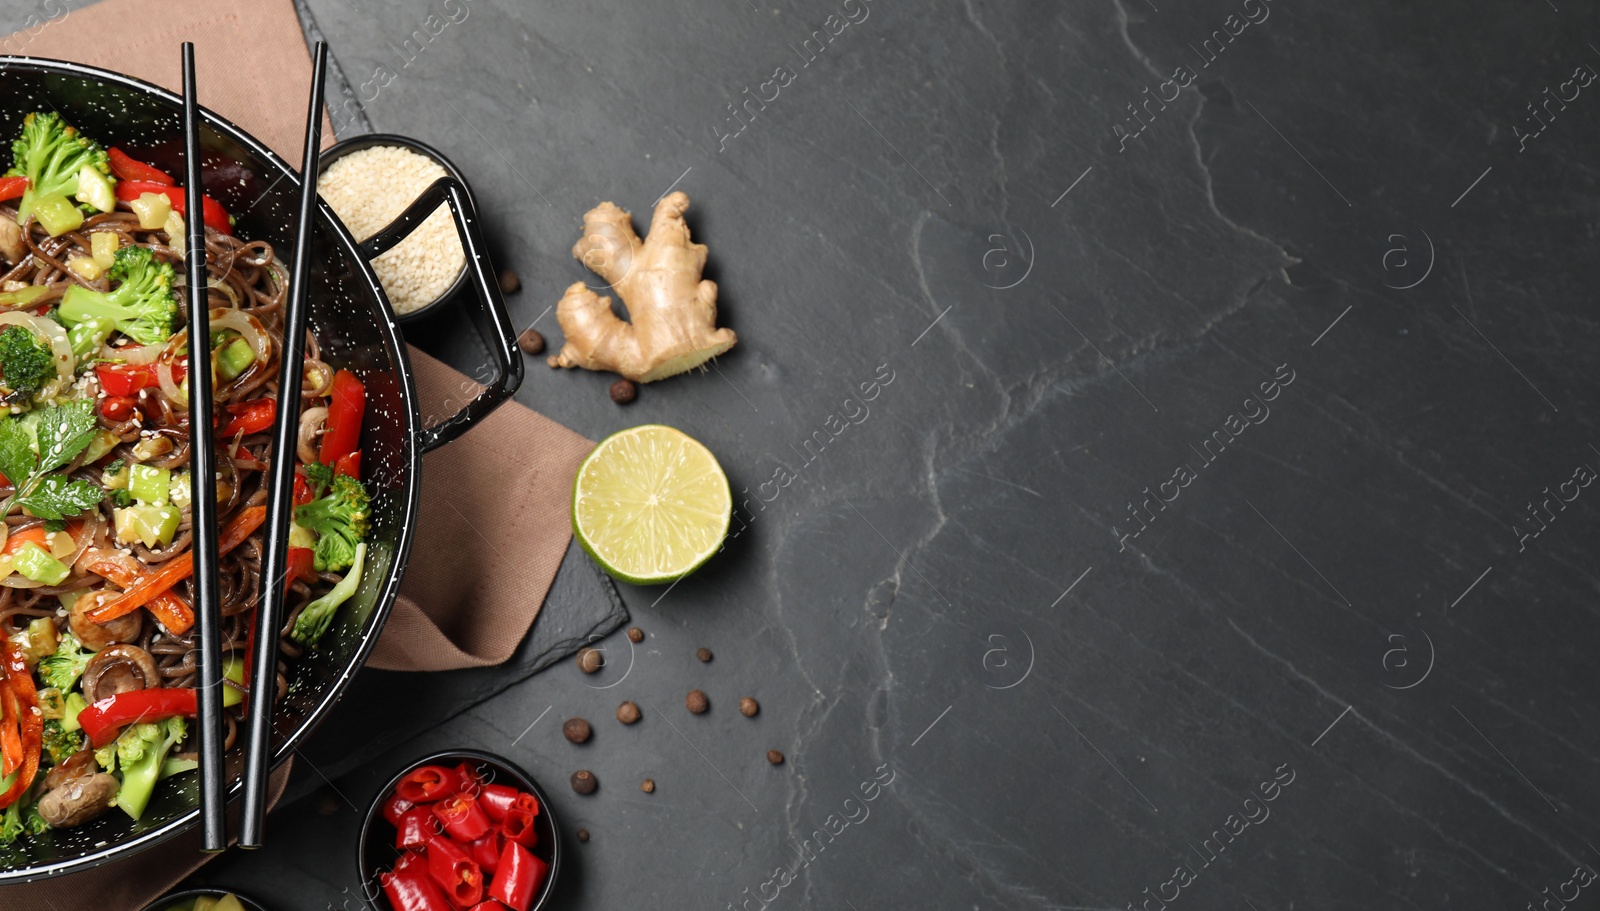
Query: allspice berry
point(530, 341)
point(590, 660)
point(648, 786)
point(583, 835)
point(773, 756)
point(576, 730)
point(704, 654)
point(635, 635)
point(509, 282)
point(584, 782)
point(749, 707)
point(628, 712)
point(624, 391)
point(697, 702)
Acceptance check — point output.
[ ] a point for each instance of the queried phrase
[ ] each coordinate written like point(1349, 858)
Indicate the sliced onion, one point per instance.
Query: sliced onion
point(311, 421)
point(52, 332)
point(139, 355)
point(168, 386)
point(248, 327)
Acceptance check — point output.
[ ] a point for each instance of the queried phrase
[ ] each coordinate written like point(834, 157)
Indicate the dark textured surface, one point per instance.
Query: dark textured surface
point(1339, 600)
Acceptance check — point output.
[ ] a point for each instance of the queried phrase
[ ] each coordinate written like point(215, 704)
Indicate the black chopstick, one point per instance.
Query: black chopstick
point(280, 489)
point(203, 482)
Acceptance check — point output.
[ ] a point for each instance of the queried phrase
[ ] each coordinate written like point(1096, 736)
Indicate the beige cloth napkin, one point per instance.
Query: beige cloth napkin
point(505, 485)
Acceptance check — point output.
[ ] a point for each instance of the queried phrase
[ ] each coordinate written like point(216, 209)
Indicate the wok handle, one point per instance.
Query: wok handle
point(507, 360)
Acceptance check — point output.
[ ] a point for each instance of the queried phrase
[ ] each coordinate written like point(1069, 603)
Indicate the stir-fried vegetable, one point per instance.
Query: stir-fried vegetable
point(142, 307)
point(339, 517)
point(58, 162)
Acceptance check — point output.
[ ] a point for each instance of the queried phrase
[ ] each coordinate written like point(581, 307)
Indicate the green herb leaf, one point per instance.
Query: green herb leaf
point(121, 497)
point(57, 497)
point(17, 460)
point(55, 525)
point(64, 431)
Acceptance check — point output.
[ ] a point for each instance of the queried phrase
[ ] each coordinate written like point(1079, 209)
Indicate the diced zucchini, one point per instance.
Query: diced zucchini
point(95, 189)
point(85, 267)
point(150, 525)
point(149, 485)
point(152, 210)
point(232, 669)
point(177, 235)
point(103, 245)
point(33, 562)
point(22, 297)
point(57, 215)
point(75, 704)
point(42, 639)
point(300, 536)
point(116, 480)
point(178, 491)
point(235, 359)
point(103, 442)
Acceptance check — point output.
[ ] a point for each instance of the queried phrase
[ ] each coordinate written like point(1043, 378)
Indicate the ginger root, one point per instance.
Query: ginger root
point(672, 325)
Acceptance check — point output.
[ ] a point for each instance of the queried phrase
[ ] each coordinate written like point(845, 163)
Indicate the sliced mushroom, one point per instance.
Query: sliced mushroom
point(119, 669)
point(79, 765)
point(78, 800)
point(310, 428)
point(97, 636)
point(11, 246)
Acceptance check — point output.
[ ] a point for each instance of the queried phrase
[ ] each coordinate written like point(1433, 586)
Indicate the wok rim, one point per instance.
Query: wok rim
point(390, 590)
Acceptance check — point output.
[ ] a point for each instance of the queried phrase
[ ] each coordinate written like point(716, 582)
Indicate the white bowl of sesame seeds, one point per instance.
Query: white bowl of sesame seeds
point(368, 181)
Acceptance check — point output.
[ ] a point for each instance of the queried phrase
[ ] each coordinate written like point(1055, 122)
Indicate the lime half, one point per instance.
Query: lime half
point(650, 504)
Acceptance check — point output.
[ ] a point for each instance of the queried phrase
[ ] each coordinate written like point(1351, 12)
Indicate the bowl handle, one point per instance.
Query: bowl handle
point(486, 290)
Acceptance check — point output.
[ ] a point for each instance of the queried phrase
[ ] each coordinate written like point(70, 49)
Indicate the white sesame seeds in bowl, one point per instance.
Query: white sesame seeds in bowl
point(368, 181)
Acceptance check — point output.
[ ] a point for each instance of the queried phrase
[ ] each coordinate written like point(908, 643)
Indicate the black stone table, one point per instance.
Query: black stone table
point(1167, 429)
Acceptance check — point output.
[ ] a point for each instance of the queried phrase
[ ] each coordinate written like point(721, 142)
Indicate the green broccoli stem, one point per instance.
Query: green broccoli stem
point(139, 777)
point(317, 616)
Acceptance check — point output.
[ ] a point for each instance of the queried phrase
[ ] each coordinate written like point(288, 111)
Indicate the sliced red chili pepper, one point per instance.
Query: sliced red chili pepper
point(126, 379)
point(496, 799)
point(486, 851)
point(456, 873)
point(127, 167)
point(526, 801)
point(254, 416)
point(417, 825)
point(12, 187)
point(347, 399)
point(410, 890)
point(104, 719)
point(395, 806)
point(519, 877)
point(349, 465)
point(518, 827)
point(216, 217)
point(490, 905)
point(462, 818)
point(302, 564)
point(118, 408)
point(412, 861)
point(428, 783)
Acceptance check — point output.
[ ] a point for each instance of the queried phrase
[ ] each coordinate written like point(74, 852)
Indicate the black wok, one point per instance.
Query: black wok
point(356, 328)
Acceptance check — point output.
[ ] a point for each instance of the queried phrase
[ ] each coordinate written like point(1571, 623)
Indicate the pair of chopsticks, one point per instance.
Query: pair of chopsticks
point(203, 499)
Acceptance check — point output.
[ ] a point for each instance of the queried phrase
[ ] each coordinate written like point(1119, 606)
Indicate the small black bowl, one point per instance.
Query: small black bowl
point(167, 901)
point(376, 852)
point(367, 141)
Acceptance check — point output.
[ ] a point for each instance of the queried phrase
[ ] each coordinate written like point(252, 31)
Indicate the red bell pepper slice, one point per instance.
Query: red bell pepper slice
point(462, 818)
point(302, 565)
point(486, 851)
point(349, 465)
point(346, 402)
point(518, 827)
point(254, 416)
point(23, 725)
point(496, 800)
point(302, 489)
point(455, 872)
point(410, 890)
point(395, 806)
point(519, 877)
point(428, 783)
point(12, 187)
point(489, 905)
point(118, 408)
point(103, 720)
point(126, 167)
point(127, 379)
point(215, 216)
point(416, 827)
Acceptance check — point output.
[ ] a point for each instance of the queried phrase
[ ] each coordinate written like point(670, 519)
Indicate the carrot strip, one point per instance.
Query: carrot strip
point(170, 609)
point(238, 530)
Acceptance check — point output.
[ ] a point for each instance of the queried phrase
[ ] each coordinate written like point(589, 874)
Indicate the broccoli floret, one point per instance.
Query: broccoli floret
point(11, 824)
point(340, 519)
point(63, 669)
point(141, 749)
point(318, 476)
point(60, 743)
point(142, 306)
point(51, 153)
point(317, 616)
point(26, 364)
